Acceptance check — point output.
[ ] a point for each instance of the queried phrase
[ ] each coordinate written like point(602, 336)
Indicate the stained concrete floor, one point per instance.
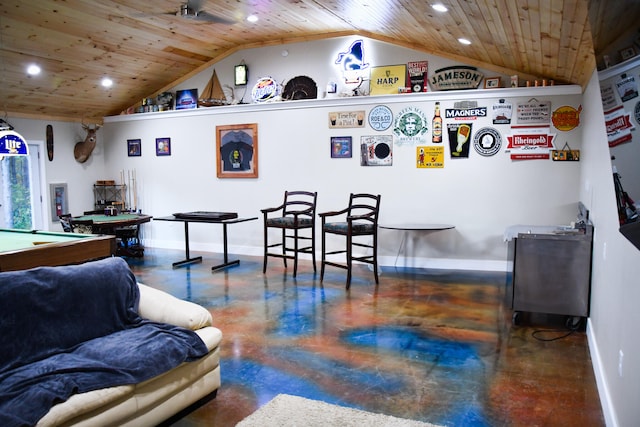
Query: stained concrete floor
point(430, 345)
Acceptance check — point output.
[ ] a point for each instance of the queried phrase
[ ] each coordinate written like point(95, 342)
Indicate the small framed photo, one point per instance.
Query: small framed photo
point(491, 82)
point(341, 147)
point(134, 147)
point(163, 146)
point(628, 53)
point(186, 99)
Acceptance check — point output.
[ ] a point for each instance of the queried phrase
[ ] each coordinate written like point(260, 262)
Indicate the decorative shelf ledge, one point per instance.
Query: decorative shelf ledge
point(356, 100)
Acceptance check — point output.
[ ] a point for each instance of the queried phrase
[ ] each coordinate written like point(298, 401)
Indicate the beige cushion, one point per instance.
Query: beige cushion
point(84, 402)
point(156, 399)
point(159, 306)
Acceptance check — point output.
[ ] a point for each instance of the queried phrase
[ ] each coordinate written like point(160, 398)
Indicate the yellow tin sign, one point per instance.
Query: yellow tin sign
point(430, 156)
point(566, 118)
point(388, 80)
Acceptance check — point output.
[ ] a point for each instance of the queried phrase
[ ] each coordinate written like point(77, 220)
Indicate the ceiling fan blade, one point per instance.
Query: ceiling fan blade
point(191, 10)
point(195, 4)
point(208, 17)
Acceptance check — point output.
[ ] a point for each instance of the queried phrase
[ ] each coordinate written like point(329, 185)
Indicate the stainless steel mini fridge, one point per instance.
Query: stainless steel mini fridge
point(552, 271)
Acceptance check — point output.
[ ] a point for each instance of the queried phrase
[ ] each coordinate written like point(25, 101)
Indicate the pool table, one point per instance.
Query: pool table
point(107, 224)
point(24, 249)
point(125, 226)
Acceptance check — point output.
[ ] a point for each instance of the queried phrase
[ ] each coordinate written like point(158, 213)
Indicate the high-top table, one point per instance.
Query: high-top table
point(406, 228)
point(224, 218)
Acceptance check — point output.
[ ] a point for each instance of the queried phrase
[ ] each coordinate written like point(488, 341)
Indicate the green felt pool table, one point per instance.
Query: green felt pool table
point(106, 224)
point(23, 249)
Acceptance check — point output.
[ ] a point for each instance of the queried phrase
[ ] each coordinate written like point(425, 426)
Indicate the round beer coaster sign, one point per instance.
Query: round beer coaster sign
point(487, 141)
point(380, 118)
point(266, 89)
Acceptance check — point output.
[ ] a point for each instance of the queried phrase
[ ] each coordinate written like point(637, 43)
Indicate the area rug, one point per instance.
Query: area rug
point(288, 411)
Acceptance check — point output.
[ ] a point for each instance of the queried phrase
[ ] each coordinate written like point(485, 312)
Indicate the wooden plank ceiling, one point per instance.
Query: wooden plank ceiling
point(146, 48)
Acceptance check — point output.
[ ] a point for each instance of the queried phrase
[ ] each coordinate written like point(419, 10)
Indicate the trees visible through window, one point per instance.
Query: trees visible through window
point(16, 192)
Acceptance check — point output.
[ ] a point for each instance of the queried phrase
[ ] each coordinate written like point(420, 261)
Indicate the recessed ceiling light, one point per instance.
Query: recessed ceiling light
point(33, 70)
point(252, 18)
point(440, 7)
point(464, 41)
point(107, 82)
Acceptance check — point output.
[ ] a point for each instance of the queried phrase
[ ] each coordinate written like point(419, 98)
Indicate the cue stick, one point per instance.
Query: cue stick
point(135, 195)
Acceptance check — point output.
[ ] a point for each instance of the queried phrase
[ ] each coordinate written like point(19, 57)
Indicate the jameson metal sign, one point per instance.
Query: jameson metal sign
point(456, 77)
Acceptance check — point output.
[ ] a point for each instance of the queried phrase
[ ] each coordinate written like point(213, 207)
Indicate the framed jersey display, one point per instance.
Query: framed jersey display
point(237, 151)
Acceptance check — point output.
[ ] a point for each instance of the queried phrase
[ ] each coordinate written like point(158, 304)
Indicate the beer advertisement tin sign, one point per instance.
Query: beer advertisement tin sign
point(266, 89)
point(346, 119)
point(380, 118)
point(534, 112)
point(566, 118)
point(487, 141)
point(530, 142)
point(456, 78)
point(410, 126)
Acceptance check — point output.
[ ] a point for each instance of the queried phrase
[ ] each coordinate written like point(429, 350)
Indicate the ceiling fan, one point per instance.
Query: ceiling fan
point(192, 10)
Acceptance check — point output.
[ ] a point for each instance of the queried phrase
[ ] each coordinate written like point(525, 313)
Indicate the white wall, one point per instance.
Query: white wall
point(64, 168)
point(481, 196)
point(313, 59)
point(615, 282)
point(627, 155)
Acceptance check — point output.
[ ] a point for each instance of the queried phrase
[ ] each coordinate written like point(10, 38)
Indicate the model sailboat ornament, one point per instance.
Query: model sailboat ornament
point(213, 95)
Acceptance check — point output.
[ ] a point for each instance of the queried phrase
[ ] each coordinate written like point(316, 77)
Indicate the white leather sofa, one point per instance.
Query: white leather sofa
point(157, 399)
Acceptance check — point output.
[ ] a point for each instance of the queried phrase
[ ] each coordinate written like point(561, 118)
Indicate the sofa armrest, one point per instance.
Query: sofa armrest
point(159, 306)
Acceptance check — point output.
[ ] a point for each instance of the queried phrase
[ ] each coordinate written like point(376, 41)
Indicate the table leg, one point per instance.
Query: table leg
point(188, 259)
point(402, 247)
point(226, 262)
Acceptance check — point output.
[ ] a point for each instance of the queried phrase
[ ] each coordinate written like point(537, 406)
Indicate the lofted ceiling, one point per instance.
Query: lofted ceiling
point(146, 48)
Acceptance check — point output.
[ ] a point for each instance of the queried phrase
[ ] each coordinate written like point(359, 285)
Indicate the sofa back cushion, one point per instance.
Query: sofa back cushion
point(46, 310)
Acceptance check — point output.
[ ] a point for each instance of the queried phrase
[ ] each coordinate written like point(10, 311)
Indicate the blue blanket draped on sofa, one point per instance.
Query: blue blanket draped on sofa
point(73, 329)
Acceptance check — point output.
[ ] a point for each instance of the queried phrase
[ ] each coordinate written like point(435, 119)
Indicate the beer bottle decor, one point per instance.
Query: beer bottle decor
point(436, 133)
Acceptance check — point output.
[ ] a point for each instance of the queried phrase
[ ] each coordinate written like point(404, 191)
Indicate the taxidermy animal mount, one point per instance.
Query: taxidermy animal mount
point(83, 149)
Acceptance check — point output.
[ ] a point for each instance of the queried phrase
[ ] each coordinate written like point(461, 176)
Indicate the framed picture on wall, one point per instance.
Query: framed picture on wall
point(237, 151)
point(134, 148)
point(186, 99)
point(627, 53)
point(491, 82)
point(341, 147)
point(163, 146)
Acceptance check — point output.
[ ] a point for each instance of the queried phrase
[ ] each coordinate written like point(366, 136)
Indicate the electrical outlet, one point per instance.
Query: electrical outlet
point(620, 361)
